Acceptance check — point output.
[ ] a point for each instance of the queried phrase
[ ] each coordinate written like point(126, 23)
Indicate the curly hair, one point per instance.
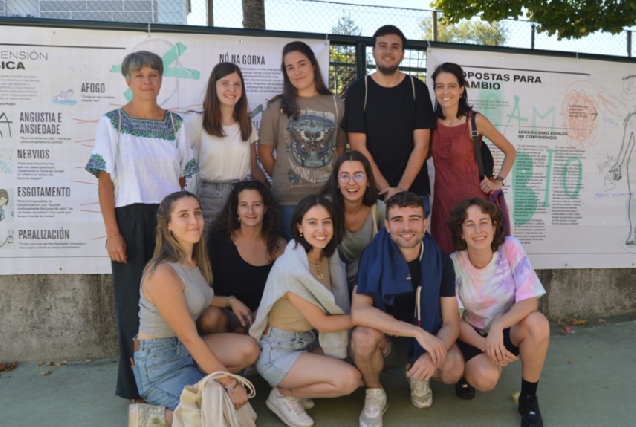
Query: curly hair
point(167, 248)
point(228, 219)
point(305, 204)
point(458, 216)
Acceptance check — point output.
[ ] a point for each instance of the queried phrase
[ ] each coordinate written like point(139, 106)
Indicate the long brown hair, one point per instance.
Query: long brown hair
point(212, 117)
point(289, 104)
point(167, 249)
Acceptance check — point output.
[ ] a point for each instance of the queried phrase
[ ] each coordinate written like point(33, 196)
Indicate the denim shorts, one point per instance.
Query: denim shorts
point(280, 349)
point(163, 367)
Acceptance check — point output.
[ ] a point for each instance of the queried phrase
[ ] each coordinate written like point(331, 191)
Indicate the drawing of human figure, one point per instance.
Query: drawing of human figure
point(625, 156)
point(4, 199)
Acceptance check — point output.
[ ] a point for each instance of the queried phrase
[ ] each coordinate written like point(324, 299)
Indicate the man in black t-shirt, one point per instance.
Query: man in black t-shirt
point(406, 288)
point(389, 117)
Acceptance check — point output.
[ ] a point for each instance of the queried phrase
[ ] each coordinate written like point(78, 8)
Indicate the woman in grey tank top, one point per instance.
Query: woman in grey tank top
point(175, 289)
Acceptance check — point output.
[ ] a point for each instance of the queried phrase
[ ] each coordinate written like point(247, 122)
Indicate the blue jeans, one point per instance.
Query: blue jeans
point(285, 221)
point(163, 367)
point(427, 205)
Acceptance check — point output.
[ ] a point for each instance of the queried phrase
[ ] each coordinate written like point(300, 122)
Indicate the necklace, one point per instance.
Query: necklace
point(318, 268)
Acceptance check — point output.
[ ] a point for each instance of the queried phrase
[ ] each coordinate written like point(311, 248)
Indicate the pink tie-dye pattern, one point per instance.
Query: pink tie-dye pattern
point(488, 293)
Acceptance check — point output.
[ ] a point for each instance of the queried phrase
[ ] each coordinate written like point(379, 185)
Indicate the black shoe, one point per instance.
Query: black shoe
point(530, 413)
point(463, 390)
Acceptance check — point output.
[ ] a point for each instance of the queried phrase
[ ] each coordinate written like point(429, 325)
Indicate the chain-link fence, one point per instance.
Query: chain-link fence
point(318, 17)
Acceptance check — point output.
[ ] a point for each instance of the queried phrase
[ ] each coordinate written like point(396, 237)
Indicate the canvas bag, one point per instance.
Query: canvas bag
point(497, 196)
point(206, 404)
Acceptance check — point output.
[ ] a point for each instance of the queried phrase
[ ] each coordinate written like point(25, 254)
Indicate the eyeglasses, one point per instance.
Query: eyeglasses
point(345, 178)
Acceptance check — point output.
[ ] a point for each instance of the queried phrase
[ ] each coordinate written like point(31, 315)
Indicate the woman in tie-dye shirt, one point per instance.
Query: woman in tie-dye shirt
point(497, 290)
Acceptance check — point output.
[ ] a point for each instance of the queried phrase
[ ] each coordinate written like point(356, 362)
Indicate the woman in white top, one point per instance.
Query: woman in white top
point(222, 140)
point(352, 189)
point(141, 154)
point(169, 352)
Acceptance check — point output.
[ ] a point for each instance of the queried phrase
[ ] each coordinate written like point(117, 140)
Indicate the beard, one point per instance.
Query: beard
point(387, 71)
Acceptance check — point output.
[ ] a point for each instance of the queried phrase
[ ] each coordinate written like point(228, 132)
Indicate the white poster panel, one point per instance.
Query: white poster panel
point(55, 84)
point(572, 121)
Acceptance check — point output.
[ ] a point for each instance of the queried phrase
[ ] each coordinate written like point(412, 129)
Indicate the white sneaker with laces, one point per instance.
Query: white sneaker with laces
point(307, 402)
point(288, 409)
point(421, 393)
point(375, 405)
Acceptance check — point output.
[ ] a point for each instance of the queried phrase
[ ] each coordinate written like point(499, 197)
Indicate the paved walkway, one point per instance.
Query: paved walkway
point(588, 380)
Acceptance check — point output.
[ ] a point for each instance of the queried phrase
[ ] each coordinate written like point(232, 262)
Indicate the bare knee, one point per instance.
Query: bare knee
point(349, 380)
point(538, 326)
point(249, 352)
point(453, 368)
point(365, 341)
point(484, 379)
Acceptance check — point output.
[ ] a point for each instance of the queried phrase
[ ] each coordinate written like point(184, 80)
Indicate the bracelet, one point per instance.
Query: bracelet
point(227, 301)
point(230, 387)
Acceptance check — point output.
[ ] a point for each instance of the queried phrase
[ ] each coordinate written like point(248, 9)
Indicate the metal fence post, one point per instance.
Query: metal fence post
point(629, 43)
point(434, 25)
point(210, 13)
point(361, 60)
point(532, 36)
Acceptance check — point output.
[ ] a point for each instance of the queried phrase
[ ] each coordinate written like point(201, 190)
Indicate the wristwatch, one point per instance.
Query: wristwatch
point(500, 179)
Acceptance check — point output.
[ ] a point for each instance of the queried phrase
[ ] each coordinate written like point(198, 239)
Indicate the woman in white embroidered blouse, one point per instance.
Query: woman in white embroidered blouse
point(223, 140)
point(141, 154)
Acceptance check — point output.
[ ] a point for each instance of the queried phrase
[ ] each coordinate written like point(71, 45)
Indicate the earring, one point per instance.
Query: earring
point(301, 234)
point(238, 218)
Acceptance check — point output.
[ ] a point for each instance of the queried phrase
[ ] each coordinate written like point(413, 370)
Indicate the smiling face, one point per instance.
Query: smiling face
point(145, 84)
point(406, 225)
point(448, 91)
point(317, 227)
point(251, 209)
point(478, 230)
point(229, 89)
point(186, 221)
point(388, 52)
point(300, 71)
point(352, 180)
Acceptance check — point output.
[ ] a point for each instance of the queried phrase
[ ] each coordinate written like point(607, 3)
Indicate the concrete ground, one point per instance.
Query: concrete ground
point(587, 381)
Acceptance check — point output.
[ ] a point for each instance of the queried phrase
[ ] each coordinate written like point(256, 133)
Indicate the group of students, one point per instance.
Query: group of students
point(233, 274)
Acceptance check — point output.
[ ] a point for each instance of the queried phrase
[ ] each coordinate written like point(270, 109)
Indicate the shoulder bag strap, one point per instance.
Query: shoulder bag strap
point(475, 136)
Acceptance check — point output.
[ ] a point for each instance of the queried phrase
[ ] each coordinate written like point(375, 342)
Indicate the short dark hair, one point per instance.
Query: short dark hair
point(135, 61)
point(403, 200)
point(331, 187)
point(385, 30)
point(458, 216)
point(302, 208)
point(456, 70)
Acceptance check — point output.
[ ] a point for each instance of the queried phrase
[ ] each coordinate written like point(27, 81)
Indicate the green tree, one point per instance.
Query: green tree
point(565, 18)
point(342, 58)
point(475, 32)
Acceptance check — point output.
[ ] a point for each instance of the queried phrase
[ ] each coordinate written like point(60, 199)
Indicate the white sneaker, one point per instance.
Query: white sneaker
point(288, 409)
point(375, 405)
point(307, 403)
point(421, 393)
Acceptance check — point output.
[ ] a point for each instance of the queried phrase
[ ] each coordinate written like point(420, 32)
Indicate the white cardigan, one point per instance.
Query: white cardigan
point(290, 273)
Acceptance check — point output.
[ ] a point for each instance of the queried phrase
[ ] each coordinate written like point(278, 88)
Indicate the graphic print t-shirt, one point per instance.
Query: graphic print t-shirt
point(305, 148)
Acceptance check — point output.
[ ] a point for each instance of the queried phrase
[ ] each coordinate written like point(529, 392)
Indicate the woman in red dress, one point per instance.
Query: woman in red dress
point(456, 171)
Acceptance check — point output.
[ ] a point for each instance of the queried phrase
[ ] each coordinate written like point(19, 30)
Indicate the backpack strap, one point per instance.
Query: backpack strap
point(337, 121)
point(413, 87)
point(366, 90)
point(475, 136)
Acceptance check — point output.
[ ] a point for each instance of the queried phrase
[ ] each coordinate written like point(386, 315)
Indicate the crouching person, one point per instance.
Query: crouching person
point(175, 289)
point(406, 288)
point(306, 291)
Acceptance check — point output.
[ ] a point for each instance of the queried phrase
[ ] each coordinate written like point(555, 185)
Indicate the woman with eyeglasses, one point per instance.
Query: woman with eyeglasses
point(352, 189)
